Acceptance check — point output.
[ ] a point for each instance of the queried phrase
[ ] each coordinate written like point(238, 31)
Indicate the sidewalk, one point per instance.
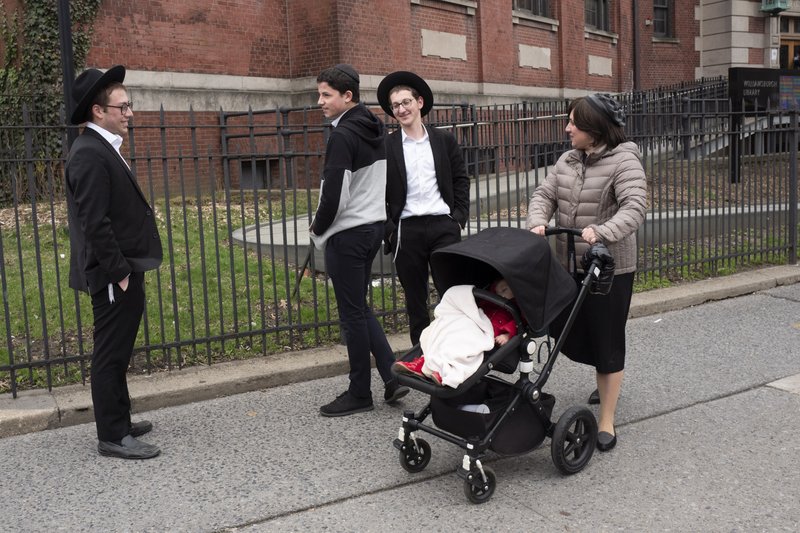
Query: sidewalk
point(65, 406)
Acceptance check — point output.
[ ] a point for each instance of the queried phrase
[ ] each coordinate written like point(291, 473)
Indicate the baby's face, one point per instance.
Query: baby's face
point(503, 290)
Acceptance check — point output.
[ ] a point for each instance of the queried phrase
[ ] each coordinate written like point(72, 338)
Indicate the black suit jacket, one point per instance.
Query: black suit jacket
point(451, 174)
point(112, 229)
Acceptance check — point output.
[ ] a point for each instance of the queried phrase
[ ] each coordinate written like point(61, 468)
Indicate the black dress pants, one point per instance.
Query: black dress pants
point(115, 327)
point(419, 237)
point(348, 259)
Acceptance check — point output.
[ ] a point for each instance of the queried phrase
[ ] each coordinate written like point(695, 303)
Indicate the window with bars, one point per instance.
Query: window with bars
point(662, 18)
point(535, 7)
point(597, 14)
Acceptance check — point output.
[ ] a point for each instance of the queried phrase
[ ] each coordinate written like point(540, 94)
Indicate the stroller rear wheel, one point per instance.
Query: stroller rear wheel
point(574, 439)
point(476, 489)
point(415, 456)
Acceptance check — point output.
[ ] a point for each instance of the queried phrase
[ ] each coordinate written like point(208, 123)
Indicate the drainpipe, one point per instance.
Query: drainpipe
point(636, 81)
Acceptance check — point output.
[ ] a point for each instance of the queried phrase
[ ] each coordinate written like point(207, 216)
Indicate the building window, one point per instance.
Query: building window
point(597, 14)
point(790, 25)
point(535, 7)
point(662, 18)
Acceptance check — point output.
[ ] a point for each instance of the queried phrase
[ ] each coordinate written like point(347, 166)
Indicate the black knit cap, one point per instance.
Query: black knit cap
point(348, 71)
point(604, 103)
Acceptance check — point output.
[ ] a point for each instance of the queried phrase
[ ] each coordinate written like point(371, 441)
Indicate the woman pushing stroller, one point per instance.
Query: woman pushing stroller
point(600, 186)
point(462, 330)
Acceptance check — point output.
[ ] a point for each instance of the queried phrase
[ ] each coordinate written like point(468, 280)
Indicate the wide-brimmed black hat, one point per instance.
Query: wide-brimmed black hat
point(86, 87)
point(403, 77)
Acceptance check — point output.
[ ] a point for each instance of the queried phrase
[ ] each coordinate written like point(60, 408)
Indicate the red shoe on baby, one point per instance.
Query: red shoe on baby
point(411, 368)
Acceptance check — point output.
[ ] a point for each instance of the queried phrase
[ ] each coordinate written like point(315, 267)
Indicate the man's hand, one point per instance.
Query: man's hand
point(123, 284)
point(538, 230)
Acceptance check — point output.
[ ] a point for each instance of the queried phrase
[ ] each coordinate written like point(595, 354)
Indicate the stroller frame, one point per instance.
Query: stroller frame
point(573, 436)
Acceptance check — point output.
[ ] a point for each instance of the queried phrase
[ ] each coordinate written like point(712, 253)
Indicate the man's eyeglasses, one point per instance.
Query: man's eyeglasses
point(123, 108)
point(404, 103)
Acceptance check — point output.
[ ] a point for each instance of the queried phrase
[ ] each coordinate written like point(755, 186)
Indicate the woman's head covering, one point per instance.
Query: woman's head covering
point(605, 104)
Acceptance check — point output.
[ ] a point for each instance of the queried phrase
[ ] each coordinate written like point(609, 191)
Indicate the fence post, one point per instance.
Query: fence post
point(67, 60)
point(795, 139)
point(686, 134)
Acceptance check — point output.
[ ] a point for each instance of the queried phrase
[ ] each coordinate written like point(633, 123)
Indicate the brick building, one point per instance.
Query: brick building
point(266, 53)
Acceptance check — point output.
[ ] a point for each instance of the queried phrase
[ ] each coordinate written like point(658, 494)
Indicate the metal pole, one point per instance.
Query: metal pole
point(67, 64)
point(794, 138)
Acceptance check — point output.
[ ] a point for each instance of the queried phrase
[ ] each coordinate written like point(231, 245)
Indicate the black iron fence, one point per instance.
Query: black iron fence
point(234, 194)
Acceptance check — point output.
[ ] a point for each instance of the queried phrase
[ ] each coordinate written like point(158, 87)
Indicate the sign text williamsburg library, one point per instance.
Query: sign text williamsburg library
point(758, 89)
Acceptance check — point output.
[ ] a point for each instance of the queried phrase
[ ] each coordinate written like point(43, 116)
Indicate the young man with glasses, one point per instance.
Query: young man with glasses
point(427, 190)
point(348, 226)
point(113, 241)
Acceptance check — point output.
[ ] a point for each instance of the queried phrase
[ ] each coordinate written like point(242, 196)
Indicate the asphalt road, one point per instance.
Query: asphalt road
point(707, 442)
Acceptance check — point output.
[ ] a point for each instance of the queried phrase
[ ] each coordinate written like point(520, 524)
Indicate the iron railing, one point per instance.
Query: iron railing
point(234, 194)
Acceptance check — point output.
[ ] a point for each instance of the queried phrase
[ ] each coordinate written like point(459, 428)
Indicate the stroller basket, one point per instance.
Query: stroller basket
point(523, 430)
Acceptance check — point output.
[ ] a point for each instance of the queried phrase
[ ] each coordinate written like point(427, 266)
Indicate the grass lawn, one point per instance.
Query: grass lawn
point(212, 289)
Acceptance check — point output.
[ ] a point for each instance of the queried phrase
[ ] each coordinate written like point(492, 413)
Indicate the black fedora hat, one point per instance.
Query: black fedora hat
point(403, 77)
point(86, 87)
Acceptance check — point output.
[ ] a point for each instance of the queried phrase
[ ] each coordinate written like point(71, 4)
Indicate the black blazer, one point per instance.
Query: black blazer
point(451, 174)
point(112, 229)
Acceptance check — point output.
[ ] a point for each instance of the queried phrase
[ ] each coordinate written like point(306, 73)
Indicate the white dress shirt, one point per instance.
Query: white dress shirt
point(423, 196)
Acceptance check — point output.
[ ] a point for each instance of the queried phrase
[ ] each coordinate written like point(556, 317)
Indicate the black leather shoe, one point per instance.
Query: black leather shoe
point(606, 441)
point(140, 428)
point(129, 448)
point(594, 398)
point(346, 404)
point(394, 391)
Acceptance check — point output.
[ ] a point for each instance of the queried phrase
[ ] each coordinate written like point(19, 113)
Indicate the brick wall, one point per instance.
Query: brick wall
point(245, 37)
point(665, 61)
point(297, 39)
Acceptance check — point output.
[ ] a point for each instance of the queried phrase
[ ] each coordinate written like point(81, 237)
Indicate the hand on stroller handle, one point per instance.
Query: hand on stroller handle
point(597, 263)
point(556, 230)
point(587, 234)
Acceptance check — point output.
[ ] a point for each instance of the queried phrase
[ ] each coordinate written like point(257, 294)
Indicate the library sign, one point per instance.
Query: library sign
point(751, 89)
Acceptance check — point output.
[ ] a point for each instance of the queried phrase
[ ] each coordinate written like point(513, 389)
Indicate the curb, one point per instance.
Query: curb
point(65, 406)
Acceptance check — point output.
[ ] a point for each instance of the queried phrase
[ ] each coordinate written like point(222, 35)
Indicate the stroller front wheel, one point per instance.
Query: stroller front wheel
point(415, 456)
point(574, 439)
point(478, 490)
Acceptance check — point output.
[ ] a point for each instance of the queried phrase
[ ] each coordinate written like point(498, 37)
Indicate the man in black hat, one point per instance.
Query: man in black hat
point(113, 241)
point(427, 190)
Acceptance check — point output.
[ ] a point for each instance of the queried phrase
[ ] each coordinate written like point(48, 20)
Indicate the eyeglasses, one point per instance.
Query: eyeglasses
point(405, 103)
point(123, 108)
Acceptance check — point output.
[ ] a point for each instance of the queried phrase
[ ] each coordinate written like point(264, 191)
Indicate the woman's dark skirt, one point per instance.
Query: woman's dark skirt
point(597, 337)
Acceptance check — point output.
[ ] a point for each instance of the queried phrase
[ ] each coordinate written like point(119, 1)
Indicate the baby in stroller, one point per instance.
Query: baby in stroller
point(463, 329)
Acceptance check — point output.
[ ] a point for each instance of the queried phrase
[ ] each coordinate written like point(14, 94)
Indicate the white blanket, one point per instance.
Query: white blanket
point(454, 342)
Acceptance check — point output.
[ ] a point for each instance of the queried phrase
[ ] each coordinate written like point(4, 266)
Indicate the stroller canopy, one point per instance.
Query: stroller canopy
point(541, 286)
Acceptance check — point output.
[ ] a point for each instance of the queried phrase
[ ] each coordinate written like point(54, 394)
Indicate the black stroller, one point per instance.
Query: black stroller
point(519, 413)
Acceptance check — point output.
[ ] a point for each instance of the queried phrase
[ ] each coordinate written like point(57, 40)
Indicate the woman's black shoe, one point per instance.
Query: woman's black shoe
point(594, 398)
point(606, 441)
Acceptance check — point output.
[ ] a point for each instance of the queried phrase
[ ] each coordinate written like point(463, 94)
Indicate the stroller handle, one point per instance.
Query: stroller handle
point(556, 230)
point(572, 264)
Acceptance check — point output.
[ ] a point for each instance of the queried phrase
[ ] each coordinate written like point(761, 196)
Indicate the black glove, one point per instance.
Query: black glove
point(599, 254)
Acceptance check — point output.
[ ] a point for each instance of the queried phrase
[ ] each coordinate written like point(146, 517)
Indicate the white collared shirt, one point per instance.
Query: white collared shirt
point(423, 196)
point(112, 138)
